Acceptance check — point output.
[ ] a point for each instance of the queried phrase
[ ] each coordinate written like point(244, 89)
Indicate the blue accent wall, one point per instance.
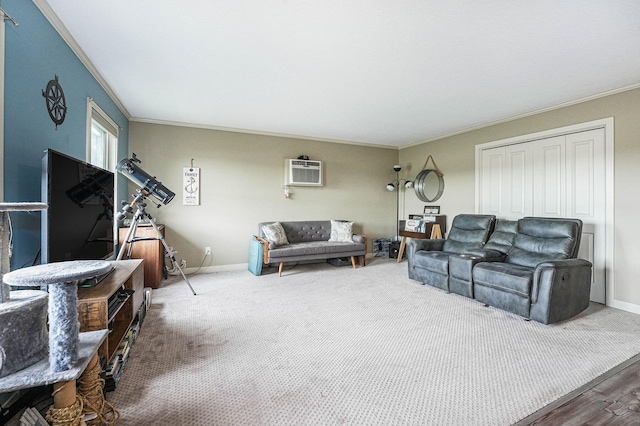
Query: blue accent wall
point(34, 54)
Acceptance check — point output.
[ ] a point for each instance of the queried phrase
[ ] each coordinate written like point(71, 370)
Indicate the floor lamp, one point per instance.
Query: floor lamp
point(395, 186)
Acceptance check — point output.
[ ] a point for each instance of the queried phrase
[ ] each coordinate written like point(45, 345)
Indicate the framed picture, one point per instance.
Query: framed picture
point(431, 209)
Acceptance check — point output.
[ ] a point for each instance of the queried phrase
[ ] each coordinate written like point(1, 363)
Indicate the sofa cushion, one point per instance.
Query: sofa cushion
point(504, 233)
point(274, 232)
point(341, 231)
point(304, 231)
point(505, 277)
point(436, 261)
point(468, 232)
point(540, 240)
point(314, 248)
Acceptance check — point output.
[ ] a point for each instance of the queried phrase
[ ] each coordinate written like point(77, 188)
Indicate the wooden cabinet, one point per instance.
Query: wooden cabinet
point(93, 303)
point(146, 246)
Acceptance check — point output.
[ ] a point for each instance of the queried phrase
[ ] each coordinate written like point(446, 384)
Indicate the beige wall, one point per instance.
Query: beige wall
point(455, 156)
point(242, 179)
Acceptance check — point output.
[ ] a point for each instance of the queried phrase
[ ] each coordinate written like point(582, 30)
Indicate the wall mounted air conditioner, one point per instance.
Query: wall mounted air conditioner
point(303, 172)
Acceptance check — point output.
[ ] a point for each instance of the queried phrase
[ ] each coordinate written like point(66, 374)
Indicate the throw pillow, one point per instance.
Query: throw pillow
point(341, 231)
point(274, 232)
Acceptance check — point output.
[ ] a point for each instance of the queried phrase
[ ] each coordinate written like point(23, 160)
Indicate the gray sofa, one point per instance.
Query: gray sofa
point(527, 267)
point(429, 258)
point(309, 241)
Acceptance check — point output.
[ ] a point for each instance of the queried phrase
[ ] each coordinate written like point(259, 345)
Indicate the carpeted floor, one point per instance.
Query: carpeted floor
point(327, 345)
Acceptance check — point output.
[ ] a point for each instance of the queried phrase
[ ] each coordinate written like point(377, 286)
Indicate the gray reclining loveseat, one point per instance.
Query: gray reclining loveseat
point(532, 272)
point(540, 278)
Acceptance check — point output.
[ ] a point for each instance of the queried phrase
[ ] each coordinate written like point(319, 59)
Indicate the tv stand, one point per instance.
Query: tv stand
point(127, 278)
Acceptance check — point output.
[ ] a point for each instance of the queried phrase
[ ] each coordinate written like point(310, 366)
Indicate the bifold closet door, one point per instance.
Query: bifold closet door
point(586, 200)
point(507, 181)
point(562, 176)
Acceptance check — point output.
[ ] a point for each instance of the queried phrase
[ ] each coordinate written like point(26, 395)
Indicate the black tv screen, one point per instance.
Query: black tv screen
point(78, 224)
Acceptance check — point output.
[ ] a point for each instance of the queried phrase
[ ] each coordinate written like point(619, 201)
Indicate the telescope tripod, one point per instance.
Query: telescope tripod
point(140, 214)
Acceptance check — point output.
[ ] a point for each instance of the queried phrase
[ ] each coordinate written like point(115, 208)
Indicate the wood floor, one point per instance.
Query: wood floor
point(614, 401)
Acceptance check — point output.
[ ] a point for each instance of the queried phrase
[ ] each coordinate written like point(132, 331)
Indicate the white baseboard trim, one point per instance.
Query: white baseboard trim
point(218, 268)
point(626, 306)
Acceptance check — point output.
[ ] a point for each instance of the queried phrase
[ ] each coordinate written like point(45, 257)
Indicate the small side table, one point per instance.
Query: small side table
point(435, 232)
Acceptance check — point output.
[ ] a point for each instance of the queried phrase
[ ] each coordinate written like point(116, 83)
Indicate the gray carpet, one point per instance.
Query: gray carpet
point(327, 345)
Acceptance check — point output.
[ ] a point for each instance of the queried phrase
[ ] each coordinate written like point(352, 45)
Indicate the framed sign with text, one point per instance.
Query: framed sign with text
point(191, 186)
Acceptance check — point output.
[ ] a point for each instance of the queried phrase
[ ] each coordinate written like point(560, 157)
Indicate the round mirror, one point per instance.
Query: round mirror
point(429, 185)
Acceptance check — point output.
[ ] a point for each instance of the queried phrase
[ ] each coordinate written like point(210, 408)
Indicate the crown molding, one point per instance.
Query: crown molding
point(257, 132)
point(57, 24)
point(528, 114)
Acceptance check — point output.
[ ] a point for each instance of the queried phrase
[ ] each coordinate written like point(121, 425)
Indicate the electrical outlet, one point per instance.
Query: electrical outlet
point(207, 250)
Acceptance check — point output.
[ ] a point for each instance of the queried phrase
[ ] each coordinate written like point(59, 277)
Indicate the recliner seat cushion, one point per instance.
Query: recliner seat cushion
point(436, 261)
point(505, 277)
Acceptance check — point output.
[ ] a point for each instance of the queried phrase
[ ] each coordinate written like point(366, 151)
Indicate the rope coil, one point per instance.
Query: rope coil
point(89, 403)
point(90, 388)
point(67, 416)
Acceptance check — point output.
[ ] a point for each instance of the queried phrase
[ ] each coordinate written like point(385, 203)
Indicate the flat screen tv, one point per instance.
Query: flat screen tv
point(78, 224)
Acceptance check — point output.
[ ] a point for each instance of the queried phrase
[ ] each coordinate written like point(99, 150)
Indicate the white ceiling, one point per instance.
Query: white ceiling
point(383, 72)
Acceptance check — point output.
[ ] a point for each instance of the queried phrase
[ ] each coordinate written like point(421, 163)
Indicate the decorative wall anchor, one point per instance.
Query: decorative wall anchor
point(424, 185)
point(56, 103)
point(191, 185)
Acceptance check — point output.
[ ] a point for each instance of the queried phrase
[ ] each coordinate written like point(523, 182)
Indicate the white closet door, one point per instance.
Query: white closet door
point(507, 181)
point(586, 200)
point(493, 181)
point(519, 169)
point(562, 176)
point(549, 177)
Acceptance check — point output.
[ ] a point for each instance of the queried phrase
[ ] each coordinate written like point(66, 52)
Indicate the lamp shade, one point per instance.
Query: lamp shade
point(390, 187)
point(408, 184)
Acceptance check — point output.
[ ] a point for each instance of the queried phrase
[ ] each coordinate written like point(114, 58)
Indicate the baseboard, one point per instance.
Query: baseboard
point(626, 306)
point(217, 268)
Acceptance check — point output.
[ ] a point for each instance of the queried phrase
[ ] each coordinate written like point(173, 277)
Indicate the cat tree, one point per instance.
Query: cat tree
point(31, 355)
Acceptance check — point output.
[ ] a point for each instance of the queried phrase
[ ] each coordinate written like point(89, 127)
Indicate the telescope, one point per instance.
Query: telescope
point(148, 184)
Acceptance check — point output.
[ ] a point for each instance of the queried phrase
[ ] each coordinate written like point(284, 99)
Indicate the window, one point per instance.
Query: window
point(102, 137)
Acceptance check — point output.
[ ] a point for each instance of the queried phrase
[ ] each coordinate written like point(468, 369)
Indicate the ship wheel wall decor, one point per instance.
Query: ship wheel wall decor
point(56, 103)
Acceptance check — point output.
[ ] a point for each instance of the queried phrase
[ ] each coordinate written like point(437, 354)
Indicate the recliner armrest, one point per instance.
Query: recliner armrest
point(543, 271)
point(487, 255)
point(561, 289)
point(417, 244)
